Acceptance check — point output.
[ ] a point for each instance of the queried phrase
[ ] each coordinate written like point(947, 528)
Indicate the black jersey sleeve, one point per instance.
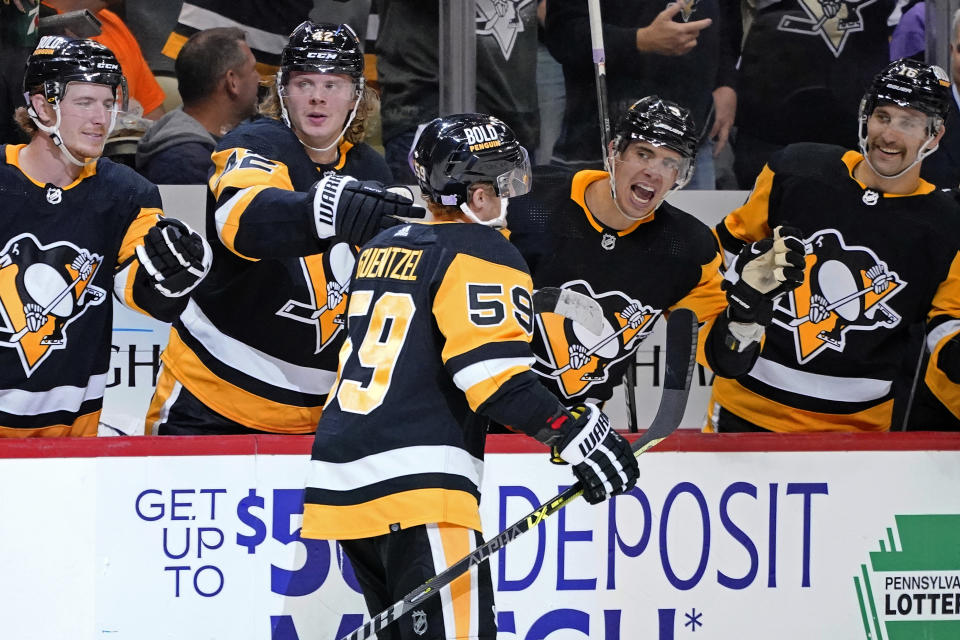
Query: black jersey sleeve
point(132, 285)
point(257, 213)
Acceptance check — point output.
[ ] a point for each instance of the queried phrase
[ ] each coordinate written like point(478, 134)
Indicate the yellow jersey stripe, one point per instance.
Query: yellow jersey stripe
point(373, 518)
point(231, 401)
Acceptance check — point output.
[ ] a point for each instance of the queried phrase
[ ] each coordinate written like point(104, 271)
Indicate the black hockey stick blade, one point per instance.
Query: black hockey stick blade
point(681, 352)
point(576, 306)
point(681, 357)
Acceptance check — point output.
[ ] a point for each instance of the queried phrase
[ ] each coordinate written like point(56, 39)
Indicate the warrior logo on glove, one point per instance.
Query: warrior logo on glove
point(43, 288)
point(846, 288)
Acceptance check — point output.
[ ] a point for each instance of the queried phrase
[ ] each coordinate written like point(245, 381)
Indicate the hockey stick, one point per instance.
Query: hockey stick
point(916, 377)
point(681, 353)
point(629, 386)
point(570, 304)
point(600, 75)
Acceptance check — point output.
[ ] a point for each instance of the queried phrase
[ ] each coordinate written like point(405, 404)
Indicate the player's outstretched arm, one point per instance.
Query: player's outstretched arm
point(355, 211)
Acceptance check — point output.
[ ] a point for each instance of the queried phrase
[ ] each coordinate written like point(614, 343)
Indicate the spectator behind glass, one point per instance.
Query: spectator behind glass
point(18, 37)
point(272, 21)
point(218, 80)
point(684, 52)
point(804, 68)
point(117, 37)
point(408, 63)
point(943, 167)
point(909, 39)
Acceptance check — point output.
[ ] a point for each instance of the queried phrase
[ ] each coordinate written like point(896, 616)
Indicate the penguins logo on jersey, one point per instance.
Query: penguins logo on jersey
point(846, 288)
point(501, 19)
point(833, 20)
point(43, 288)
point(578, 358)
point(328, 279)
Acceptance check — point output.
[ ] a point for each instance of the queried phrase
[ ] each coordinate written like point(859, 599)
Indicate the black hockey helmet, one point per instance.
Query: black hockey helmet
point(909, 84)
point(661, 123)
point(456, 151)
point(59, 60)
point(322, 48)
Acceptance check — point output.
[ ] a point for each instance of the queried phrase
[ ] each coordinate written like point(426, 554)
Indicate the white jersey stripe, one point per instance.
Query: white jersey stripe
point(941, 332)
point(380, 467)
point(66, 398)
point(817, 385)
point(200, 19)
point(439, 565)
point(480, 371)
point(222, 213)
point(253, 362)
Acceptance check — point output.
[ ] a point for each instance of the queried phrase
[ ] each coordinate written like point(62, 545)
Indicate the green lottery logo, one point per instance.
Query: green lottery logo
point(911, 587)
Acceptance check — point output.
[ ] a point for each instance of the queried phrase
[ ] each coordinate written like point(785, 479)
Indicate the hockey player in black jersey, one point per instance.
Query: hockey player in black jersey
point(882, 254)
point(74, 227)
point(439, 325)
point(290, 196)
point(614, 238)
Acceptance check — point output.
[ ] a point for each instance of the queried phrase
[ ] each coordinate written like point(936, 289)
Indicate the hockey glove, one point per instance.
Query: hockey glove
point(601, 458)
point(761, 273)
point(356, 211)
point(176, 257)
point(948, 360)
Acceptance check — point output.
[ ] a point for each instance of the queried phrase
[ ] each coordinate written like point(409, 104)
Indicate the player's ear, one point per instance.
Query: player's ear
point(478, 198)
point(42, 108)
point(939, 136)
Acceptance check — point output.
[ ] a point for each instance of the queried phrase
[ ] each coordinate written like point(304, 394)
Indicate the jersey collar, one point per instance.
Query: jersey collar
point(852, 158)
point(578, 193)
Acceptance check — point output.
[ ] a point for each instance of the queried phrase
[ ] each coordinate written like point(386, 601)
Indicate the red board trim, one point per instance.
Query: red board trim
point(692, 441)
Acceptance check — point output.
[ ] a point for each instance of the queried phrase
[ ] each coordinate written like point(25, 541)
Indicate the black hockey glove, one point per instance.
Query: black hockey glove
point(763, 272)
point(948, 360)
point(601, 458)
point(176, 257)
point(356, 211)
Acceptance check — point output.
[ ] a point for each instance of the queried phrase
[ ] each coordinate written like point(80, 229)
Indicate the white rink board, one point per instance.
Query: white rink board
point(138, 340)
point(752, 545)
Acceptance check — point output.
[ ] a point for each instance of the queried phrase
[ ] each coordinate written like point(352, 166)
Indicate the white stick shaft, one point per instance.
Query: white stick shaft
point(600, 73)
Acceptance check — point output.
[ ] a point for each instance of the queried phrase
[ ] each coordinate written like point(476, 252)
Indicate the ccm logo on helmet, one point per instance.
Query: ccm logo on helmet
point(483, 137)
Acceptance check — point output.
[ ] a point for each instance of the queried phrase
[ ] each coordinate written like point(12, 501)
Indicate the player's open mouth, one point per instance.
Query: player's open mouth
point(317, 118)
point(641, 193)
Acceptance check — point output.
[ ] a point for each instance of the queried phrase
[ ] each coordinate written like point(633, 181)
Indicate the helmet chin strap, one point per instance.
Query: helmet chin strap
point(922, 153)
point(54, 132)
point(497, 223)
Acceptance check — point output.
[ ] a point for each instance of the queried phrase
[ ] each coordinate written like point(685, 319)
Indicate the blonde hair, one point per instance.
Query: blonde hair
point(23, 121)
point(369, 106)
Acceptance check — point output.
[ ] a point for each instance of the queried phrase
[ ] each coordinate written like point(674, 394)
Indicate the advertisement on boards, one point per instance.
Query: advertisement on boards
point(710, 546)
